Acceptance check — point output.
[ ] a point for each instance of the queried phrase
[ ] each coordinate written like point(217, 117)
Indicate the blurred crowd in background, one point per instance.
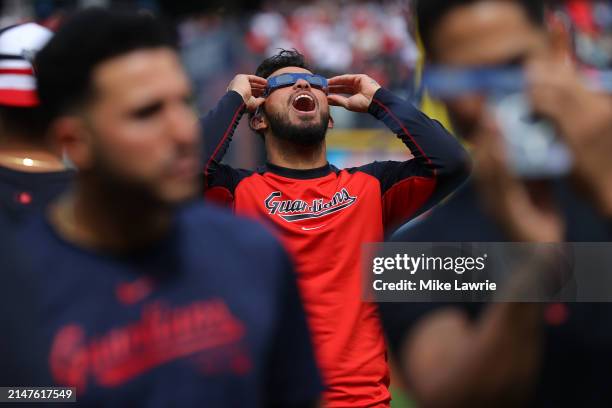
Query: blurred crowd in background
point(371, 37)
point(592, 23)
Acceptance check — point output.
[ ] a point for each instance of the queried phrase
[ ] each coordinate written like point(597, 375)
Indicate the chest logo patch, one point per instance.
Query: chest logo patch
point(297, 210)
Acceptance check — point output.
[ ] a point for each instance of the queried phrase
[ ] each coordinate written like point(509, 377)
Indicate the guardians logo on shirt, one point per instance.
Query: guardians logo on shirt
point(204, 332)
point(297, 210)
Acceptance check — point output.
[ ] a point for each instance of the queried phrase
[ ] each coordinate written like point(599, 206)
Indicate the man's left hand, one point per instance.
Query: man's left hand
point(360, 88)
point(525, 210)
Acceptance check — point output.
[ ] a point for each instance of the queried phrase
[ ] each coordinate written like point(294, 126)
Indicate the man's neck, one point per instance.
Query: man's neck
point(91, 219)
point(20, 154)
point(286, 154)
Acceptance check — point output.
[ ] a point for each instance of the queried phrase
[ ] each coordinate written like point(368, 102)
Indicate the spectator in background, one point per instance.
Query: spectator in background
point(368, 37)
point(145, 300)
point(510, 354)
point(31, 174)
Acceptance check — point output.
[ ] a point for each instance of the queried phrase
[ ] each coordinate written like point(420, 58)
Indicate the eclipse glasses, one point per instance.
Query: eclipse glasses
point(289, 79)
point(446, 82)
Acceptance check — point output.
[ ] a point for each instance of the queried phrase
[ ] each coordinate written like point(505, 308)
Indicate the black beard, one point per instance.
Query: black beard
point(306, 134)
point(120, 189)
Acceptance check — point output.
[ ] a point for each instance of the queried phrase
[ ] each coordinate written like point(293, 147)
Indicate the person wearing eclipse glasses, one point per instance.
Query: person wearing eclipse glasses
point(323, 214)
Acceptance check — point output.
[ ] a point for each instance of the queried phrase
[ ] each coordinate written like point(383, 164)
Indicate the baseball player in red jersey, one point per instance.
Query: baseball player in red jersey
point(324, 214)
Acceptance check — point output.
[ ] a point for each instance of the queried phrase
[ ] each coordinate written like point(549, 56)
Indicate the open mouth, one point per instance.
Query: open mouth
point(304, 103)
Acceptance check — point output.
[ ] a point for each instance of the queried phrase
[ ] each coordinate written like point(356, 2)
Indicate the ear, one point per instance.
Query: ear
point(330, 122)
point(258, 122)
point(560, 38)
point(70, 135)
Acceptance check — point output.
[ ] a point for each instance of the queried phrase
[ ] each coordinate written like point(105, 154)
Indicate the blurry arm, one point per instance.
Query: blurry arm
point(450, 361)
point(440, 163)
point(436, 152)
point(220, 123)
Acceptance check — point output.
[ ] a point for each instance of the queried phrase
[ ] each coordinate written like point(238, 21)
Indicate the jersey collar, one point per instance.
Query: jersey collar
point(298, 174)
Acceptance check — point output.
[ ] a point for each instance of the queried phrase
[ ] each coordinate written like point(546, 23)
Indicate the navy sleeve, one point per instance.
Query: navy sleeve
point(218, 127)
point(294, 376)
point(439, 166)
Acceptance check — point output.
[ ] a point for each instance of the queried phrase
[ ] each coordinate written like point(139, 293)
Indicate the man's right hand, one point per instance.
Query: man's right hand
point(251, 88)
point(584, 120)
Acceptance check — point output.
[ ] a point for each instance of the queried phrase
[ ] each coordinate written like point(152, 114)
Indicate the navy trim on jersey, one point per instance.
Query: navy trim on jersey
point(296, 173)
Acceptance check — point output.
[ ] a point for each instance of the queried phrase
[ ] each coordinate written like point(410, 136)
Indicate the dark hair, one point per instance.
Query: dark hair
point(24, 122)
point(284, 58)
point(429, 13)
point(90, 37)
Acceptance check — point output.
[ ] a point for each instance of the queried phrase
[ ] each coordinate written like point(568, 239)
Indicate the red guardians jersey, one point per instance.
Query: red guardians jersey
point(324, 215)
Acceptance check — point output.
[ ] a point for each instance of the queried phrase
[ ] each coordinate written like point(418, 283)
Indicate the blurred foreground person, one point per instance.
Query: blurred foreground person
point(146, 300)
point(31, 174)
point(323, 214)
point(511, 354)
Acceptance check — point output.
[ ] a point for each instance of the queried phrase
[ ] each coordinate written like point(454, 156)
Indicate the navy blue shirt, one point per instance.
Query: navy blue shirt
point(23, 193)
point(210, 316)
point(20, 351)
point(577, 354)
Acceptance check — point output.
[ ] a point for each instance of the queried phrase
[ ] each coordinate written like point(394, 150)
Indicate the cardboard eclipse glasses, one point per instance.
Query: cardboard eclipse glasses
point(283, 80)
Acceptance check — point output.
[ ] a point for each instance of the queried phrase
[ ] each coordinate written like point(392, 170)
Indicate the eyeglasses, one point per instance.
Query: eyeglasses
point(283, 80)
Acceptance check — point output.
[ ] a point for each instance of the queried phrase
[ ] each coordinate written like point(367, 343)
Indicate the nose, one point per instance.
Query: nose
point(183, 125)
point(301, 84)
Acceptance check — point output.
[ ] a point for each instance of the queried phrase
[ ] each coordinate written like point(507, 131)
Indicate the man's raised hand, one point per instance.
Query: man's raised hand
point(251, 88)
point(360, 88)
point(525, 210)
point(584, 121)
